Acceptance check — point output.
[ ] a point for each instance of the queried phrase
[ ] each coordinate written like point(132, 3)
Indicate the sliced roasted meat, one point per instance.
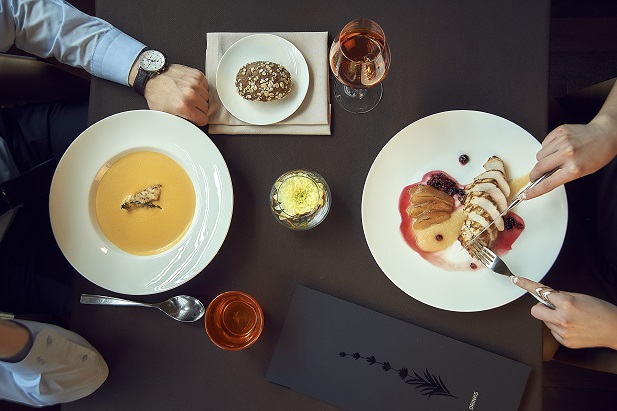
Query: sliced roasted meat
point(485, 199)
point(495, 163)
point(500, 179)
point(490, 187)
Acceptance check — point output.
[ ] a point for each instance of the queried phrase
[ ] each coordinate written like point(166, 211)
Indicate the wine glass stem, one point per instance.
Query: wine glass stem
point(354, 92)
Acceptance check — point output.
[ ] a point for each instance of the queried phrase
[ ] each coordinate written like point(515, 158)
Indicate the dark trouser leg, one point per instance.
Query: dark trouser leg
point(38, 132)
point(35, 276)
point(594, 247)
point(591, 240)
point(606, 228)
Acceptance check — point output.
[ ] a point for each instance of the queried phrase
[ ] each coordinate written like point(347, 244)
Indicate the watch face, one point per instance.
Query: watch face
point(152, 60)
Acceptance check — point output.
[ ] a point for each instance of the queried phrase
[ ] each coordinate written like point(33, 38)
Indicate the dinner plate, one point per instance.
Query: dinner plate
point(73, 190)
point(262, 47)
point(435, 143)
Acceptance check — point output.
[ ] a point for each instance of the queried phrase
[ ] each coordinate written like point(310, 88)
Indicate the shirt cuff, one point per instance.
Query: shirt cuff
point(114, 56)
point(57, 369)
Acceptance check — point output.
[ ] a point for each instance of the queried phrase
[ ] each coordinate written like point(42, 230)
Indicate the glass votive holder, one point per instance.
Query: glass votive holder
point(234, 320)
point(300, 199)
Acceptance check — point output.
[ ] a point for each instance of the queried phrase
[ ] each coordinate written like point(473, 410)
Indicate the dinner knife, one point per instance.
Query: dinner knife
point(516, 201)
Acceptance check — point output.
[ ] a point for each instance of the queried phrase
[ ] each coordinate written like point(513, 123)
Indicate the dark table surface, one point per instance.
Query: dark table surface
point(487, 55)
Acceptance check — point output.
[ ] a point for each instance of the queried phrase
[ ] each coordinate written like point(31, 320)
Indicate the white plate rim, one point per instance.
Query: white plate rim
point(258, 47)
point(533, 253)
point(74, 221)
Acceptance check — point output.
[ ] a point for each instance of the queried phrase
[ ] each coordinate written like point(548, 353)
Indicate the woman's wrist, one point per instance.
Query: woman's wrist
point(606, 124)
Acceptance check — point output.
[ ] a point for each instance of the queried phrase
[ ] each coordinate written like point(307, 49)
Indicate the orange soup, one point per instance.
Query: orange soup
point(145, 230)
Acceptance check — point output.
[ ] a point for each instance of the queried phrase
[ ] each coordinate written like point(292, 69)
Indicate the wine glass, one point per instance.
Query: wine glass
point(359, 59)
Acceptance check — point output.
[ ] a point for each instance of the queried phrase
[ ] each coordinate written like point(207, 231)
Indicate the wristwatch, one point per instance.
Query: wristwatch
point(151, 62)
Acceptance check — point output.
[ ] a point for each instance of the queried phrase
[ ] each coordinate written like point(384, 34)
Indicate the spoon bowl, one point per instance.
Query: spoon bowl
point(182, 308)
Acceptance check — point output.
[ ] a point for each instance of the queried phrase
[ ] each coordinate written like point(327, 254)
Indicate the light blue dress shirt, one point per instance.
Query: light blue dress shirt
point(61, 366)
point(55, 28)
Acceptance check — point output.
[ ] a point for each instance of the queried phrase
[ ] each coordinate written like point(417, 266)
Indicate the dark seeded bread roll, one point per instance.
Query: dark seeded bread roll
point(263, 81)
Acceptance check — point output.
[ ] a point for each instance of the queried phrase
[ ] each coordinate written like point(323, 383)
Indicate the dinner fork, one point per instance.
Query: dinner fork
point(492, 261)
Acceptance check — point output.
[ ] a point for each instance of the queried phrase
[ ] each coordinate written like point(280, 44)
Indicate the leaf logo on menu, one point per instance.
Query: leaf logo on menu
point(429, 384)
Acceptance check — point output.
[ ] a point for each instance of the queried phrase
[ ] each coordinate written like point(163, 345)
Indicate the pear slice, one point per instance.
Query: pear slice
point(422, 193)
point(414, 210)
point(430, 218)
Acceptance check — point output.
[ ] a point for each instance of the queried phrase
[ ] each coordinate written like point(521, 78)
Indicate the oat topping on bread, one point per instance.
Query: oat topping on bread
point(263, 81)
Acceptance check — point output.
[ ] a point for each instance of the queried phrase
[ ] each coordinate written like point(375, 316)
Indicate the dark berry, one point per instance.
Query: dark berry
point(444, 183)
point(473, 266)
point(438, 237)
point(463, 159)
point(509, 223)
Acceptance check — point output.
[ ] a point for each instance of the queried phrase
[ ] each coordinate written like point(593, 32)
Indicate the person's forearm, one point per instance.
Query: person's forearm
point(610, 105)
point(69, 35)
point(14, 339)
point(53, 28)
point(607, 118)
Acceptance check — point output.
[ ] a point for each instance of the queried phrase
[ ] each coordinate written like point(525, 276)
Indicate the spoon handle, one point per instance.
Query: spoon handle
point(103, 300)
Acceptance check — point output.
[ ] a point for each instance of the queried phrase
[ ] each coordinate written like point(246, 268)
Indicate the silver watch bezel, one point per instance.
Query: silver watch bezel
point(158, 58)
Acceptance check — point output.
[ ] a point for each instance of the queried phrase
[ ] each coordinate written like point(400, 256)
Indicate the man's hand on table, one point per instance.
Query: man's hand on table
point(182, 91)
point(579, 320)
point(179, 90)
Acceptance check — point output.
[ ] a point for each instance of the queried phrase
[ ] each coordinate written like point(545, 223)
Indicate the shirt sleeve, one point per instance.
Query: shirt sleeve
point(61, 366)
point(55, 28)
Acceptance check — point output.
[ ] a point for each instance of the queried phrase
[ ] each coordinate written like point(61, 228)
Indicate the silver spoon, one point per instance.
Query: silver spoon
point(181, 307)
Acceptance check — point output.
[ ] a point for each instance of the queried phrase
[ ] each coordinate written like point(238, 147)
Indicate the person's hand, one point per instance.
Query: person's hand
point(180, 90)
point(14, 338)
point(579, 320)
point(577, 149)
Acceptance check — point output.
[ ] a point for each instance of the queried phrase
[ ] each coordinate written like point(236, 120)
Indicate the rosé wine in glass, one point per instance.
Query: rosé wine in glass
point(360, 60)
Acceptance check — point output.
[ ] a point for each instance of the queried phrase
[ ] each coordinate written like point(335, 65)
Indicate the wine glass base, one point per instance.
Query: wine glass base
point(357, 101)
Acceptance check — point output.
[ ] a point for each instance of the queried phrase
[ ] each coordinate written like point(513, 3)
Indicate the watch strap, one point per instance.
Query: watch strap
point(140, 81)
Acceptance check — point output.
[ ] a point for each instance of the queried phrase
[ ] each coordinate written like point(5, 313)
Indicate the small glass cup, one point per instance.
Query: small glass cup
point(234, 320)
point(300, 199)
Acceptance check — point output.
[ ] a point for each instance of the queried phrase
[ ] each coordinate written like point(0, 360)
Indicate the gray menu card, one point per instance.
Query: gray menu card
point(359, 359)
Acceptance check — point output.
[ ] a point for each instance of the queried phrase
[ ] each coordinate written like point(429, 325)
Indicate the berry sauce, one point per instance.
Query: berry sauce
point(442, 181)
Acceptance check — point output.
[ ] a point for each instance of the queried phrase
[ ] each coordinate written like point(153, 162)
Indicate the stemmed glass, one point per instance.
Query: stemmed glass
point(359, 59)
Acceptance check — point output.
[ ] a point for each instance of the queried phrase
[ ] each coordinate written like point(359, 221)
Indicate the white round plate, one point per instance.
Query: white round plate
point(262, 47)
point(435, 143)
point(73, 189)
